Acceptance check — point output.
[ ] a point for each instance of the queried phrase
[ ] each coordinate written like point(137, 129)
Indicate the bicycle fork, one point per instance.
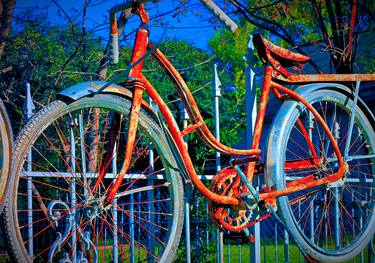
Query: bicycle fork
point(132, 131)
point(135, 81)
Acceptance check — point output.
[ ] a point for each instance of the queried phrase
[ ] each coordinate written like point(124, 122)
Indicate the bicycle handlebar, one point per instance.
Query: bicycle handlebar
point(114, 49)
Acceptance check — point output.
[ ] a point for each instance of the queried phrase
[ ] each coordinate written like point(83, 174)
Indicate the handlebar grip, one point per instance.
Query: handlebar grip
point(114, 53)
point(228, 22)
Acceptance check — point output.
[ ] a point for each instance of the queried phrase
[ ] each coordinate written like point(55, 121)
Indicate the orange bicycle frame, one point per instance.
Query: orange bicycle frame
point(138, 83)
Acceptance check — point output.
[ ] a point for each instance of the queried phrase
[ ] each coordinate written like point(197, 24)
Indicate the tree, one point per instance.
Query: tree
point(334, 25)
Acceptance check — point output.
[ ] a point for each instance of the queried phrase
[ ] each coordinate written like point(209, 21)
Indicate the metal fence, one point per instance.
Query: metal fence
point(201, 240)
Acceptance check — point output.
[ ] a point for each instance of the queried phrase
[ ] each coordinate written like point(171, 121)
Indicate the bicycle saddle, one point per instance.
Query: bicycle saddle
point(278, 57)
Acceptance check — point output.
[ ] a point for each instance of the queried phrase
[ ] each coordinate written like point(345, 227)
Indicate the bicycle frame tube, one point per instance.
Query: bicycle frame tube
point(260, 118)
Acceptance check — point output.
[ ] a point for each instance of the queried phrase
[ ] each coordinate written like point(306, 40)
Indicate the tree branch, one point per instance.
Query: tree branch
point(352, 26)
point(322, 26)
point(332, 20)
point(340, 26)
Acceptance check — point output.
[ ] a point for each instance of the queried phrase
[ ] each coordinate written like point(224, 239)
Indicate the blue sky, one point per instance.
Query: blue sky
point(193, 26)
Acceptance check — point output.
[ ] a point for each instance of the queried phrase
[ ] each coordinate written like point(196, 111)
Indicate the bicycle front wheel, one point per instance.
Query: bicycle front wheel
point(54, 213)
point(333, 222)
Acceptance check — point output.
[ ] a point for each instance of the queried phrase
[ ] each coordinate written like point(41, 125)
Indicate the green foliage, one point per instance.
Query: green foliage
point(48, 57)
point(51, 58)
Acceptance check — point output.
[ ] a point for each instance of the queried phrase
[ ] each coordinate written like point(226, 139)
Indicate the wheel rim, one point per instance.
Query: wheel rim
point(313, 210)
point(67, 220)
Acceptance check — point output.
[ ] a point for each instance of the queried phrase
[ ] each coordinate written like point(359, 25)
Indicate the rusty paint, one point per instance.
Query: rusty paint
point(278, 56)
point(260, 118)
point(141, 12)
point(309, 78)
point(190, 129)
point(304, 185)
point(140, 48)
point(132, 130)
point(113, 25)
point(279, 51)
point(302, 164)
point(304, 180)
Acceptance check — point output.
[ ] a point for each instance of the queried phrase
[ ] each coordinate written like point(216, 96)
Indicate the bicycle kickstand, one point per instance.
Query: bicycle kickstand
point(281, 223)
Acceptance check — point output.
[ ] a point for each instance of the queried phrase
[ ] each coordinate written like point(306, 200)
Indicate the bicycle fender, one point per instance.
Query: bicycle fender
point(286, 109)
point(90, 88)
point(306, 89)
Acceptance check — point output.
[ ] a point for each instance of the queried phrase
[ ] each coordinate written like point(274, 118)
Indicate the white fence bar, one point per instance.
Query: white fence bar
point(251, 113)
point(216, 95)
point(28, 108)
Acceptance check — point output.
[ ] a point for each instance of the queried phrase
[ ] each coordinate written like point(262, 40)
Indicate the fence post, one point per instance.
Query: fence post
point(28, 108)
point(286, 246)
point(132, 232)
point(217, 94)
point(251, 113)
point(312, 211)
point(188, 190)
point(73, 198)
point(150, 198)
point(276, 244)
point(114, 209)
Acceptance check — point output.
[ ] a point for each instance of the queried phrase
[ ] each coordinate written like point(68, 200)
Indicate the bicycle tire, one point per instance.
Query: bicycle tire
point(150, 221)
point(310, 213)
point(6, 139)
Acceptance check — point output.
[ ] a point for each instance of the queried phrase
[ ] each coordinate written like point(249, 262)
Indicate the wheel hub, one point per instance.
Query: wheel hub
point(95, 206)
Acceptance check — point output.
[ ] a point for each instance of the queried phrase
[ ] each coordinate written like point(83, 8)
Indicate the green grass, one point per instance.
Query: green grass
point(267, 254)
point(236, 253)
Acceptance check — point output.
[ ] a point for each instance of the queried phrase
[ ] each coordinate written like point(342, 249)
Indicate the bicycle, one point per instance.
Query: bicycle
point(6, 140)
point(92, 149)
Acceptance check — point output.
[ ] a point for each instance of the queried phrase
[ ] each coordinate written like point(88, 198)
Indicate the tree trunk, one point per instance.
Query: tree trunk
point(6, 17)
point(341, 45)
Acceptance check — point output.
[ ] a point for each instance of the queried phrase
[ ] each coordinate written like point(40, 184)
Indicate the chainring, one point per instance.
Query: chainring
point(226, 183)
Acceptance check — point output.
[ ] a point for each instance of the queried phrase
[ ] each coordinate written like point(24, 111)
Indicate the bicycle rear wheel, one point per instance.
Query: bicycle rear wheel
point(333, 222)
point(6, 138)
point(54, 214)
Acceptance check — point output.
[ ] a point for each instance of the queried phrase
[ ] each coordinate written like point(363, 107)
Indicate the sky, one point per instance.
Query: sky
point(192, 26)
